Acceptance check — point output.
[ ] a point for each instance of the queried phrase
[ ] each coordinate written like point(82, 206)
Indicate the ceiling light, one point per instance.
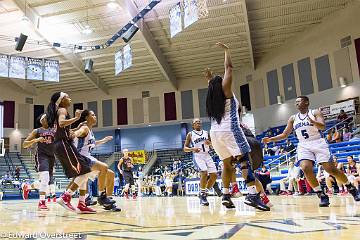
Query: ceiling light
point(87, 30)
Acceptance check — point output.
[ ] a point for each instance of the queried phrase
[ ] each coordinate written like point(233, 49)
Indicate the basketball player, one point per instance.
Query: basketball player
point(44, 158)
point(125, 167)
point(227, 137)
point(74, 164)
point(312, 148)
point(257, 159)
point(200, 145)
point(85, 143)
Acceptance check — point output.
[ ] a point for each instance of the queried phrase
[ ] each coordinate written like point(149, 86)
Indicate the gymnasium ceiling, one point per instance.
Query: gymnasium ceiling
point(251, 27)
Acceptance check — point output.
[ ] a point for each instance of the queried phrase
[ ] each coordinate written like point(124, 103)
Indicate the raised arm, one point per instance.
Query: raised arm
point(31, 139)
point(227, 80)
point(319, 121)
point(285, 134)
point(63, 122)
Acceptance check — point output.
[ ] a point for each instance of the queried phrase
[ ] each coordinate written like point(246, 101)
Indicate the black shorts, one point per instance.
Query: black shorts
point(256, 153)
point(73, 163)
point(44, 162)
point(129, 178)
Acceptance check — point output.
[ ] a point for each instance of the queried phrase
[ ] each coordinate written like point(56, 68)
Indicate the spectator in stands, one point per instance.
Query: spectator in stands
point(264, 177)
point(346, 135)
point(301, 180)
point(17, 173)
point(162, 184)
point(267, 151)
point(333, 136)
point(289, 147)
point(342, 116)
point(293, 173)
point(7, 178)
point(276, 150)
point(353, 171)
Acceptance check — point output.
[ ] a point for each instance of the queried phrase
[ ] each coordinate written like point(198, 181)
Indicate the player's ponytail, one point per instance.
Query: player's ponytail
point(215, 100)
point(83, 117)
point(51, 109)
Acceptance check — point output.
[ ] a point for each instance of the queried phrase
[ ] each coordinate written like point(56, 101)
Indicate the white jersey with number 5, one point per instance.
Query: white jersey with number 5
point(305, 131)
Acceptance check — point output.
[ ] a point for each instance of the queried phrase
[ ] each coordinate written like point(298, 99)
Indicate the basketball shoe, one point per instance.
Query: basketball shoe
point(254, 200)
point(83, 209)
point(324, 199)
point(42, 206)
point(65, 201)
point(226, 201)
point(235, 192)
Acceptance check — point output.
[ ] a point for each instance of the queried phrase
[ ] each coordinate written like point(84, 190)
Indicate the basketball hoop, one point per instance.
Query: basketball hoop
point(203, 10)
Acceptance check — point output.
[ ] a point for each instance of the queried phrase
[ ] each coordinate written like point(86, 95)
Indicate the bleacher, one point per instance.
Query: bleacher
point(165, 157)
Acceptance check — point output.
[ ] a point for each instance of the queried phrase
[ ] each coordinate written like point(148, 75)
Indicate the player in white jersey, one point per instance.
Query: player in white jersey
point(312, 148)
point(198, 142)
point(85, 142)
point(227, 137)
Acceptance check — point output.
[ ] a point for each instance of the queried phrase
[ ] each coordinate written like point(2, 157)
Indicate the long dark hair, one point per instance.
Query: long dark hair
point(51, 111)
point(83, 117)
point(215, 100)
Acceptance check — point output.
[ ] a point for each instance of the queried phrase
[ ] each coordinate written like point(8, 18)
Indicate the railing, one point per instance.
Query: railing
point(287, 160)
point(287, 156)
point(342, 122)
point(23, 165)
point(167, 145)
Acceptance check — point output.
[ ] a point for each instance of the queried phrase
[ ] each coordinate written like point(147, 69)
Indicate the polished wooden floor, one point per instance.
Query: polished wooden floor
point(182, 218)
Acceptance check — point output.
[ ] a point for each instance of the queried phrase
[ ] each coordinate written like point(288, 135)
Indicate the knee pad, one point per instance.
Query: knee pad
point(245, 165)
point(44, 181)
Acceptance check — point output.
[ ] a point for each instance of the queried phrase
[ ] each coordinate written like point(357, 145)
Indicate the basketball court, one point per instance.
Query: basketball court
point(184, 218)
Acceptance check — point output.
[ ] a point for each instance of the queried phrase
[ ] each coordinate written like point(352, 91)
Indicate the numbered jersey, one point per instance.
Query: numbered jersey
point(305, 131)
point(46, 147)
point(86, 144)
point(198, 139)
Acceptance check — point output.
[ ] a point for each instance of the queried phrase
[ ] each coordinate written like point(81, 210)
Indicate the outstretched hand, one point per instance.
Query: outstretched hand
point(266, 140)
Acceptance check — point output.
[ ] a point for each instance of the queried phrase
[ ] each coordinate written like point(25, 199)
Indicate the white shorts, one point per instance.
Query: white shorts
point(204, 162)
point(229, 144)
point(168, 183)
point(315, 150)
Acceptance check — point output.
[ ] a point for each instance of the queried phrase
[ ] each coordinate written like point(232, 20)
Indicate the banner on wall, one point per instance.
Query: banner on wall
point(51, 70)
point(4, 65)
point(192, 186)
point(34, 69)
point(334, 109)
point(138, 156)
point(17, 67)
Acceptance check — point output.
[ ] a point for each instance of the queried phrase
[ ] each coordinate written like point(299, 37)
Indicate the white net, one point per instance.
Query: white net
point(203, 9)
